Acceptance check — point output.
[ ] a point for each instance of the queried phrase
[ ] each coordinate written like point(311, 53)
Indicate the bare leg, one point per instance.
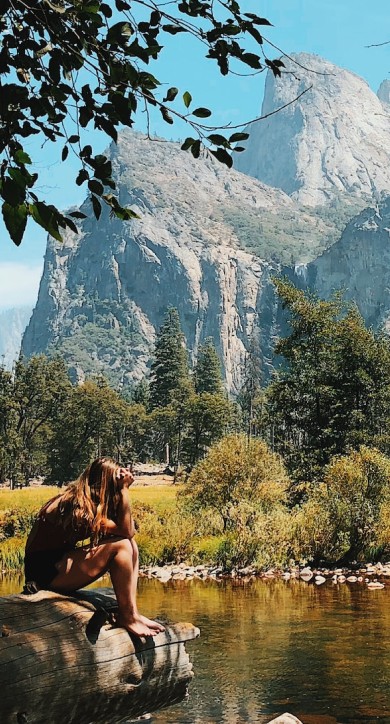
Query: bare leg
point(148, 621)
point(80, 567)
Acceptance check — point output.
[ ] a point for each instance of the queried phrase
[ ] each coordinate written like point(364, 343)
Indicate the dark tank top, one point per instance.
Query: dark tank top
point(47, 535)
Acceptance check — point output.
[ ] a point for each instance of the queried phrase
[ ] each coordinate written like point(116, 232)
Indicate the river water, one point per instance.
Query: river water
point(271, 646)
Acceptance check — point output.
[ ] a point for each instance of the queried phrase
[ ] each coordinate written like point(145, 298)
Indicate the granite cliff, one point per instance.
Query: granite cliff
point(105, 291)
point(208, 240)
point(334, 139)
point(359, 265)
point(13, 322)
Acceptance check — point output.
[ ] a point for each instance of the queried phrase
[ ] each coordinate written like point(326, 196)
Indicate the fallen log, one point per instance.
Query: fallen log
point(62, 660)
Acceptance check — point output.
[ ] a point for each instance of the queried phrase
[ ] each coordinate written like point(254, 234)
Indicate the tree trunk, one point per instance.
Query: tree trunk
point(62, 660)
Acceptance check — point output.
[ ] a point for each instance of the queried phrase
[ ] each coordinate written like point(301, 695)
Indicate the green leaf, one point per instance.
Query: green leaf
point(218, 139)
point(18, 177)
point(125, 214)
point(15, 220)
point(96, 205)
point(12, 192)
point(21, 157)
point(65, 153)
point(83, 175)
point(252, 60)
point(166, 115)
point(201, 112)
point(171, 94)
point(77, 215)
point(223, 157)
point(173, 29)
point(95, 187)
point(238, 137)
point(47, 217)
point(187, 144)
point(195, 149)
point(187, 98)
point(256, 20)
point(69, 223)
point(118, 32)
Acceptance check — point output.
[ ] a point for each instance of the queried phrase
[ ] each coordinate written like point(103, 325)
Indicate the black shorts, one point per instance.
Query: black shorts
point(40, 566)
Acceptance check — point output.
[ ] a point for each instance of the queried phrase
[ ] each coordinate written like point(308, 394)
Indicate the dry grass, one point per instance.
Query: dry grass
point(19, 504)
point(27, 498)
point(159, 497)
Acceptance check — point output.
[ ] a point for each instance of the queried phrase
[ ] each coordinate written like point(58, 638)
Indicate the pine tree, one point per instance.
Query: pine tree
point(169, 380)
point(207, 371)
point(334, 392)
point(250, 393)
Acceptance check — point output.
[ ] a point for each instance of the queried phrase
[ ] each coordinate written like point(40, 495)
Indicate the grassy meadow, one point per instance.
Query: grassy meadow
point(153, 504)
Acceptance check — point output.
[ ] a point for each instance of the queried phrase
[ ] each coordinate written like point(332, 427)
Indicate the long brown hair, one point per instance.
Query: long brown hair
point(91, 498)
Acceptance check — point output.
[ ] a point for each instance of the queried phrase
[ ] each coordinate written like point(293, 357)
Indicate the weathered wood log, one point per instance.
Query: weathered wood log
point(62, 660)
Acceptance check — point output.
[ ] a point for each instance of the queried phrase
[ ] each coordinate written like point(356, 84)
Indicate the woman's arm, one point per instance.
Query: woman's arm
point(124, 524)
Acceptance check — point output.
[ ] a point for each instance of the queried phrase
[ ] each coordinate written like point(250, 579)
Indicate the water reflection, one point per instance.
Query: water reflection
point(321, 653)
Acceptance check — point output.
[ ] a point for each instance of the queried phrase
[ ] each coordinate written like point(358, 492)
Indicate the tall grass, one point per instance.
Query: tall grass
point(155, 504)
point(12, 554)
point(26, 498)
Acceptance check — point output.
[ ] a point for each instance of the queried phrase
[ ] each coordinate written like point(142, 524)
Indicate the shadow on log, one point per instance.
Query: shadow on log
point(62, 661)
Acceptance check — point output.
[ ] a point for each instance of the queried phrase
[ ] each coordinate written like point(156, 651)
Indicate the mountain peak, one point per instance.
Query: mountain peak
point(333, 139)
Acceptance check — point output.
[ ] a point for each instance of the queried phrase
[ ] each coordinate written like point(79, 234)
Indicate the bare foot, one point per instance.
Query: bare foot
point(136, 627)
point(154, 625)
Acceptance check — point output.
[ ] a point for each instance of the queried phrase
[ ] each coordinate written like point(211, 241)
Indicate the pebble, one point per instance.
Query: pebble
point(181, 572)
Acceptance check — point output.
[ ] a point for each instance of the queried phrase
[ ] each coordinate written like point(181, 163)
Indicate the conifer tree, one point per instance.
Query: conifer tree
point(250, 396)
point(207, 372)
point(169, 382)
point(333, 393)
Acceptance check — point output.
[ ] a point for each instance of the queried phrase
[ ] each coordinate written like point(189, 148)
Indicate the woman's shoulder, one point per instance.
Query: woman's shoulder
point(50, 509)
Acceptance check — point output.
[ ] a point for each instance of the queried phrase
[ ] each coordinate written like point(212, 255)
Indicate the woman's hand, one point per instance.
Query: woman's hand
point(125, 477)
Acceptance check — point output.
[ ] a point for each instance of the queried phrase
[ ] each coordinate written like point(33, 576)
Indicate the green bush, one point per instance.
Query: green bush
point(343, 516)
point(16, 522)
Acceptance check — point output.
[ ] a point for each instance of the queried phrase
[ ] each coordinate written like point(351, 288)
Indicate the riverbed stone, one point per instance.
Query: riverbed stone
point(286, 719)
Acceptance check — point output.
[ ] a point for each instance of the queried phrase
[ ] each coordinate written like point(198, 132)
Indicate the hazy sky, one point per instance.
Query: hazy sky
point(338, 30)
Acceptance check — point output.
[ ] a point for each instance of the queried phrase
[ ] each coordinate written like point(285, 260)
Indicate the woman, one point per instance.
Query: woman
point(95, 506)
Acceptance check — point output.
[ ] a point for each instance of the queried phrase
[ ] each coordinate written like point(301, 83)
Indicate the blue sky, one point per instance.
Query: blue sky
point(338, 30)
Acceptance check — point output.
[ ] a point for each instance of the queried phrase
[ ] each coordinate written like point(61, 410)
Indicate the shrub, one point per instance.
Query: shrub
point(237, 479)
point(16, 522)
point(341, 518)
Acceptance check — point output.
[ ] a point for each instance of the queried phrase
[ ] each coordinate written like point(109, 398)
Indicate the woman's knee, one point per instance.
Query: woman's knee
point(122, 545)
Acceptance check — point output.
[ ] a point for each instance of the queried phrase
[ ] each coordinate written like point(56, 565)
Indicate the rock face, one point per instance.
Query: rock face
point(104, 293)
point(359, 265)
point(334, 140)
point(13, 322)
point(208, 240)
point(384, 92)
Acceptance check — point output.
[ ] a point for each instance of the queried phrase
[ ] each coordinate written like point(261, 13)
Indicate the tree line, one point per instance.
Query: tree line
point(329, 394)
point(52, 428)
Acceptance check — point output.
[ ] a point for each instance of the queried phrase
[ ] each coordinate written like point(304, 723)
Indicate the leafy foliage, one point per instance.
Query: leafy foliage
point(70, 65)
point(341, 518)
point(333, 393)
point(236, 478)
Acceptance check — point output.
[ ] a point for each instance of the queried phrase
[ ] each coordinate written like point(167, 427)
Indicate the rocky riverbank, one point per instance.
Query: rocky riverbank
point(374, 576)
